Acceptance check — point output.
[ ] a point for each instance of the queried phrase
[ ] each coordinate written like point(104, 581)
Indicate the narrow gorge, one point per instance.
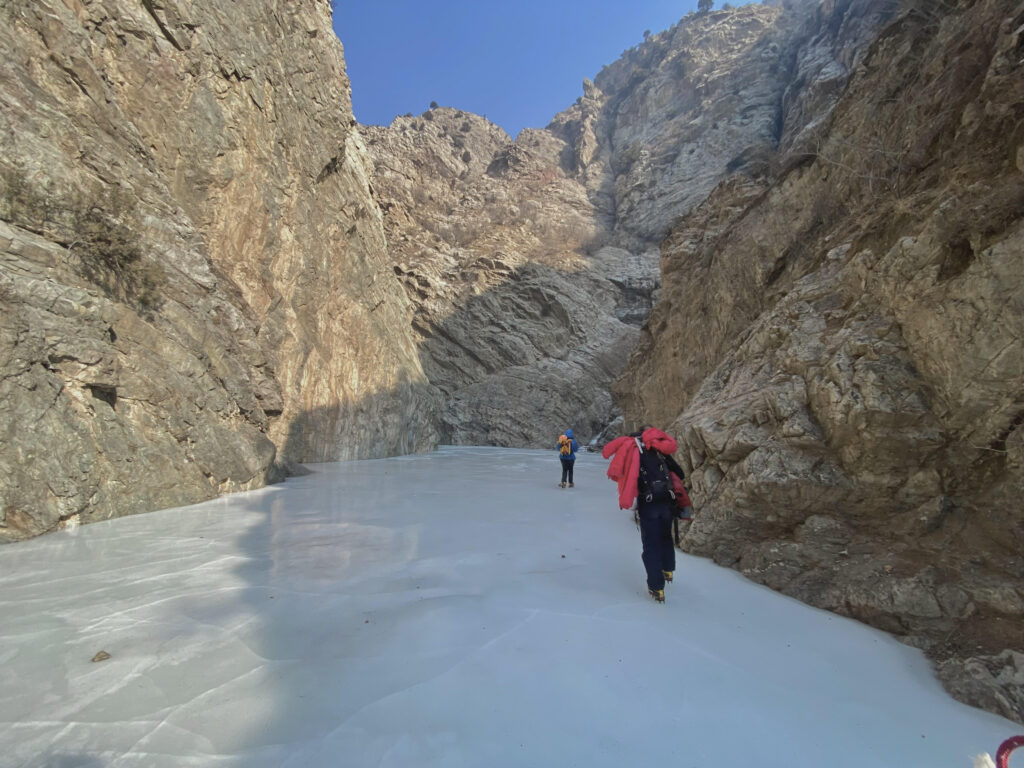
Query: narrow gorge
point(788, 233)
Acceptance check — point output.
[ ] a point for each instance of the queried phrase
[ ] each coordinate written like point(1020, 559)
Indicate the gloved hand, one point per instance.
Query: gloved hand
point(684, 513)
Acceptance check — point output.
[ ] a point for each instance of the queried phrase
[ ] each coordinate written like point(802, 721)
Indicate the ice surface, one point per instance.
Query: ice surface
point(449, 609)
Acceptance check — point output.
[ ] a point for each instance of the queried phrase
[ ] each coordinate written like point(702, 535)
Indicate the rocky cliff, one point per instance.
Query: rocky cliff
point(531, 263)
point(195, 282)
point(523, 319)
point(838, 343)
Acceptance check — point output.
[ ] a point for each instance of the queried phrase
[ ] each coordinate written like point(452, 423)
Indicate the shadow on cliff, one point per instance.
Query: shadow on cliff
point(534, 354)
point(392, 422)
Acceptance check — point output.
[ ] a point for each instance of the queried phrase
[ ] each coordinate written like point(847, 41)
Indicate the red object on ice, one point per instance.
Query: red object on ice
point(625, 467)
point(1008, 746)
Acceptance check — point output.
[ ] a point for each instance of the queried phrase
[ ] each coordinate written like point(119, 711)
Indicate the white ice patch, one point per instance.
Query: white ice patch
point(449, 609)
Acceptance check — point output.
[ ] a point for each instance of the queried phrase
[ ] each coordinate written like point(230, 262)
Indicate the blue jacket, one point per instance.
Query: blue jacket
point(574, 446)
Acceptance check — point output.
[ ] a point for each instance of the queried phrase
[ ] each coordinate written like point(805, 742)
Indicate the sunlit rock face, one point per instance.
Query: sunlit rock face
point(838, 345)
point(194, 283)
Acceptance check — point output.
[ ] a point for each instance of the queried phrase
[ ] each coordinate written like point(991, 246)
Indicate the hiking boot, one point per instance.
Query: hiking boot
point(657, 594)
point(561, 485)
point(571, 485)
point(668, 576)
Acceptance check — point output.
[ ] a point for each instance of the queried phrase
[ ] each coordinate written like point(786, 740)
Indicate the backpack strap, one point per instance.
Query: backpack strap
point(642, 478)
point(643, 472)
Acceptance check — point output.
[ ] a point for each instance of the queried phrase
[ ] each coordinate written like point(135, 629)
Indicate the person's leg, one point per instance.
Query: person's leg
point(565, 471)
point(571, 463)
point(668, 550)
point(650, 534)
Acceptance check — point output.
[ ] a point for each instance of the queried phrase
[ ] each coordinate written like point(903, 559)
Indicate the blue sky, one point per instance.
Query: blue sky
point(518, 64)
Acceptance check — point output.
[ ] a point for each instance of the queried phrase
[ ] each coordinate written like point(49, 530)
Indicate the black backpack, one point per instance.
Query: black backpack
point(654, 483)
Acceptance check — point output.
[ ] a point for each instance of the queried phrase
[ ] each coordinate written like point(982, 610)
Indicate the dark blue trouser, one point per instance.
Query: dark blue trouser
point(567, 469)
point(659, 547)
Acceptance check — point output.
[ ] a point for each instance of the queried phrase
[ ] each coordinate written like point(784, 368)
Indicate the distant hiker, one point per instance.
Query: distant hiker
point(567, 447)
point(647, 474)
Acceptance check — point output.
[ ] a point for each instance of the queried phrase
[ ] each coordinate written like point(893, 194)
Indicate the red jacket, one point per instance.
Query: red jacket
point(625, 467)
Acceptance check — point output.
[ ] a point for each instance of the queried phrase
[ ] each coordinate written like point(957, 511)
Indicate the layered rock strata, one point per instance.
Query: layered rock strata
point(193, 267)
point(838, 344)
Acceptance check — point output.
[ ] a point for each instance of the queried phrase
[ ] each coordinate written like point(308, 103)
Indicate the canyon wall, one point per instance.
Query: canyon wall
point(838, 346)
point(532, 263)
point(195, 288)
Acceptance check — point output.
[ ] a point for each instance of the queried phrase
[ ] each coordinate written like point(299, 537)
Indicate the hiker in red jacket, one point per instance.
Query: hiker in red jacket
point(644, 468)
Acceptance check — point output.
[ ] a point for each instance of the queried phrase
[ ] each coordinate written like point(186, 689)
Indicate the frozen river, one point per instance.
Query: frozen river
point(448, 609)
